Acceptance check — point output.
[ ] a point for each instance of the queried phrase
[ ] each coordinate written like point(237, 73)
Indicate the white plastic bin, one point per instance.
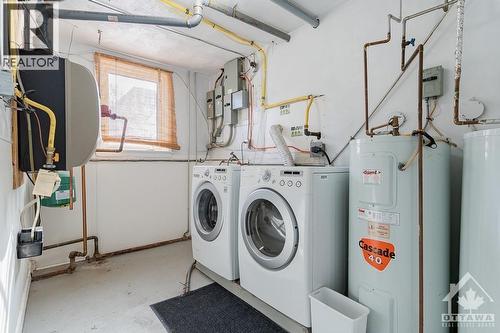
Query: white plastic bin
point(333, 312)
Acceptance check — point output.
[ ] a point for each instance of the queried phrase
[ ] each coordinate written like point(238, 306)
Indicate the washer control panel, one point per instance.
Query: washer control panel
point(292, 179)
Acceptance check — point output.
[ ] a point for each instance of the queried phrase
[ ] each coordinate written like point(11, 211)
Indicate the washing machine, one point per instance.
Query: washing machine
point(292, 236)
point(214, 218)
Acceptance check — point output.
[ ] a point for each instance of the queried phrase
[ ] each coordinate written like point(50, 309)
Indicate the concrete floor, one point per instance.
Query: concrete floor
point(113, 295)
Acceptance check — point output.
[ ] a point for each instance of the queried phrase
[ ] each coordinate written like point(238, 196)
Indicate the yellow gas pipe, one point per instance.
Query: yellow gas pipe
point(52, 127)
point(244, 41)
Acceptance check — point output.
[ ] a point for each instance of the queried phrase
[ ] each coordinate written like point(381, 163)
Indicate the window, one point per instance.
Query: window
point(141, 94)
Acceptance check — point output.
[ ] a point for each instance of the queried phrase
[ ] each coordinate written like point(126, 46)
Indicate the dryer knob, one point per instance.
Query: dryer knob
point(207, 172)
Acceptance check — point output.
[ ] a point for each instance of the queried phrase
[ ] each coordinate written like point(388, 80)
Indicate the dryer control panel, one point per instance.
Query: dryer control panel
point(213, 174)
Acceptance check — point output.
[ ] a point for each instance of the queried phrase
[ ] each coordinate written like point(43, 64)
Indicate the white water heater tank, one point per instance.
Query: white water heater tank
point(383, 233)
point(480, 233)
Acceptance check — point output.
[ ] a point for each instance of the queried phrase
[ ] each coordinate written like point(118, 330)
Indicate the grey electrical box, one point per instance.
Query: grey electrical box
point(6, 84)
point(211, 104)
point(232, 76)
point(239, 100)
point(219, 101)
point(433, 82)
point(230, 116)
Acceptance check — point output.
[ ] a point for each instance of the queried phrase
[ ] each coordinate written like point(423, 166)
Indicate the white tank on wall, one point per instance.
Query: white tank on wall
point(480, 233)
point(383, 233)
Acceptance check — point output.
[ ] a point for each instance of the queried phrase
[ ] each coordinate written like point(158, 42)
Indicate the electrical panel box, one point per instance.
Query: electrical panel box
point(219, 101)
point(230, 116)
point(239, 100)
point(433, 82)
point(232, 76)
point(211, 104)
point(6, 84)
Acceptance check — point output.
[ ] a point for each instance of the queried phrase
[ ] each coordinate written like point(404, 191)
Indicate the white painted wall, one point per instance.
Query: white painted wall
point(14, 273)
point(329, 60)
point(133, 203)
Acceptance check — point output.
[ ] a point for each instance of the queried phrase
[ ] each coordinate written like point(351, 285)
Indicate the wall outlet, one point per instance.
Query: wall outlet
point(316, 144)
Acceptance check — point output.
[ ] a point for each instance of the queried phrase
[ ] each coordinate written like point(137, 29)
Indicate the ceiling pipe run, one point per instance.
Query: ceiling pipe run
point(191, 22)
point(232, 12)
point(298, 11)
point(177, 32)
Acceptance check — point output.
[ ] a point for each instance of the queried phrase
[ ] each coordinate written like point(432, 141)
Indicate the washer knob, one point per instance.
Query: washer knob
point(290, 183)
point(282, 183)
point(207, 172)
point(267, 176)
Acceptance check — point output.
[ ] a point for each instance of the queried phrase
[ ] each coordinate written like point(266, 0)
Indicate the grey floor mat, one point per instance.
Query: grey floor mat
point(212, 309)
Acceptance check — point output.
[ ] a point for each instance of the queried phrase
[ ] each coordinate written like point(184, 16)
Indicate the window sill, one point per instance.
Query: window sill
point(133, 155)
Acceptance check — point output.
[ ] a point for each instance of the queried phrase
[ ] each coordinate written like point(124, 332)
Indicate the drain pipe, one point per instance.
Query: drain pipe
point(74, 254)
point(232, 12)
point(298, 11)
point(390, 18)
point(191, 22)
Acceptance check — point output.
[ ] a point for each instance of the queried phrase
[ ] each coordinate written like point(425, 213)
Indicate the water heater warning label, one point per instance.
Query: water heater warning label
point(378, 216)
point(379, 230)
point(377, 254)
point(372, 177)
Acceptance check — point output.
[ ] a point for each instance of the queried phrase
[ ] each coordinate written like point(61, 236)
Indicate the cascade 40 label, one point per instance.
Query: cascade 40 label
point(376, 253)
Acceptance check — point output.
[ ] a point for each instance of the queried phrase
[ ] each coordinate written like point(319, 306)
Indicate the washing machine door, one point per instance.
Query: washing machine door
point(207, 211)
point(269, 229)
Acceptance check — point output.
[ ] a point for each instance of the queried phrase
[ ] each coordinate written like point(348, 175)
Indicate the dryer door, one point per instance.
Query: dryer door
point(269, 229)
point(207, 211)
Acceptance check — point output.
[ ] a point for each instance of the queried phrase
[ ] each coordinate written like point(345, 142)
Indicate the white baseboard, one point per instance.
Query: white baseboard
point(24, 301)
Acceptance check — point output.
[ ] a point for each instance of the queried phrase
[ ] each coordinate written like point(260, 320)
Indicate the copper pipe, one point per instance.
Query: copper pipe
point(404, 42)
point(75, 241)
point(393, 122)
point(456, 105)
point(367, 45)
point(74, 254)
point(70, 188)
point(122, 139)
point(145, 247)
point(68, 269)
point(71, 268)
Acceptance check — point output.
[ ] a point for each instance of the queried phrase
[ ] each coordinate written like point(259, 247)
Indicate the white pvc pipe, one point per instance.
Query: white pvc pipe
point(276, 134)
